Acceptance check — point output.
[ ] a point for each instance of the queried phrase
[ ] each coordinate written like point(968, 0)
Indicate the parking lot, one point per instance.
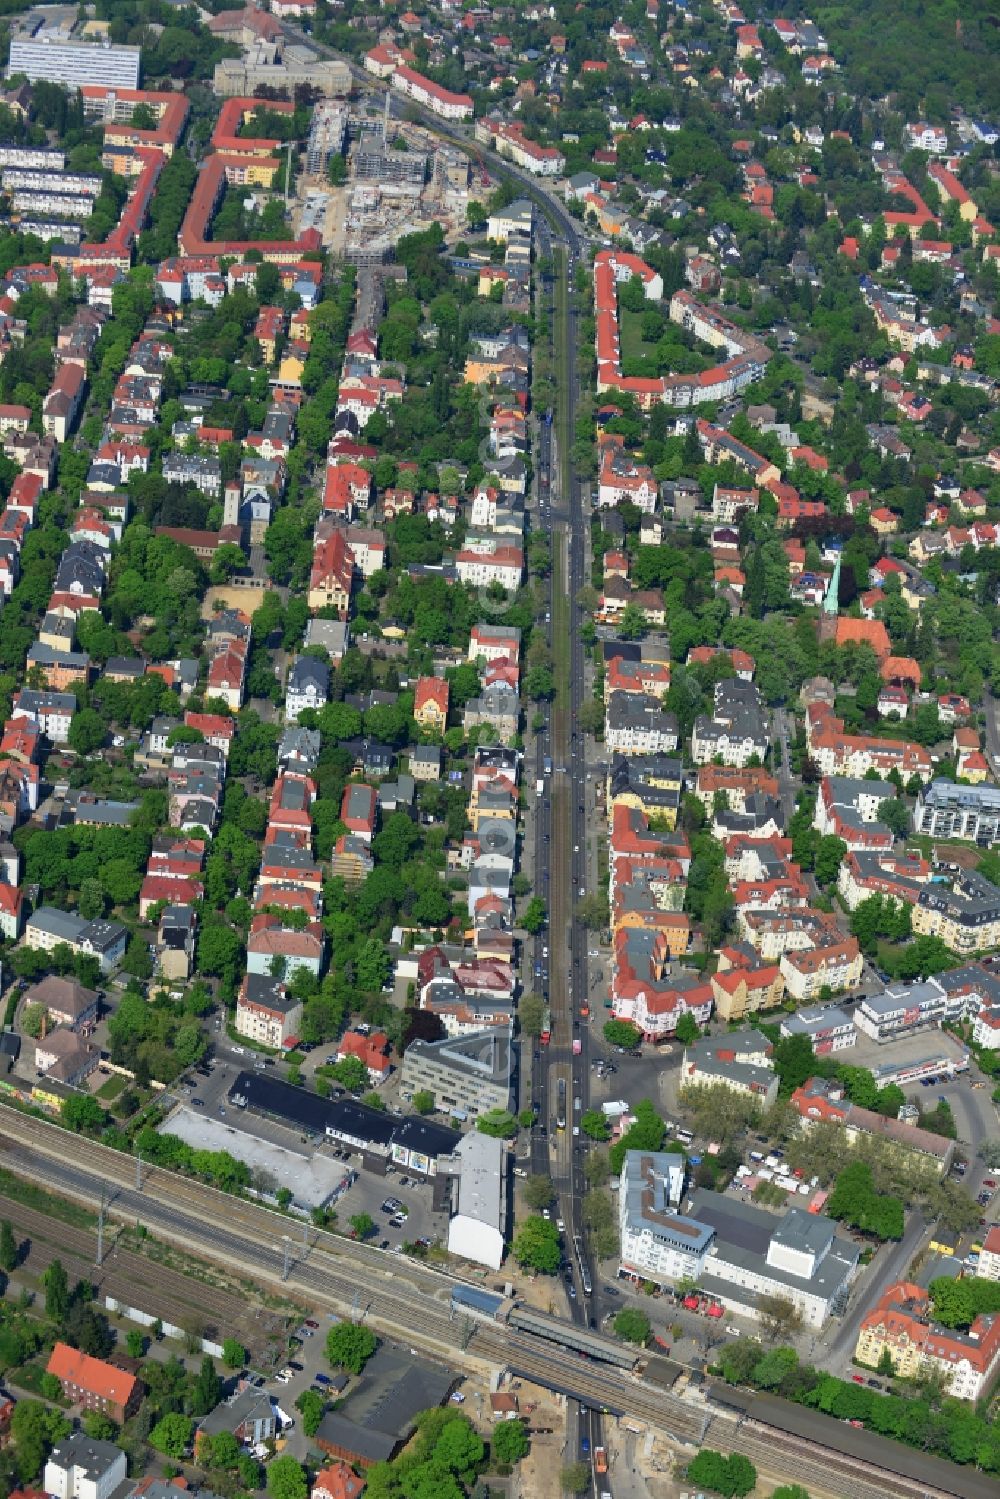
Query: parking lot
point(921, 1045)
point(370, 1191)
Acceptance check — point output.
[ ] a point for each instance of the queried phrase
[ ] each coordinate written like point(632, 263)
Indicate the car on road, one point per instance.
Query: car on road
point(584, 1444)
point(310, 1322)
point(858, 1378)
point(611, 1291)
point(199, 1103)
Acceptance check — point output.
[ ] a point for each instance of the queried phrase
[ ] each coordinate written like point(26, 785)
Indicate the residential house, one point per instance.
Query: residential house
point(95, 1384)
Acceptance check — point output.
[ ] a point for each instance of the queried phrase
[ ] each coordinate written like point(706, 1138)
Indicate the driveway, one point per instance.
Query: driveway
point(889, 1266)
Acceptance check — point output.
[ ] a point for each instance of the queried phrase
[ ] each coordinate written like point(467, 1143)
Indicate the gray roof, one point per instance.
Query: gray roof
point(248, 1405)
point(309, 671)
point(381, 1412)
point(744, 1233)
point(58, 924)
point(483, 1055)
point(300, 744)
point(808, 1232)
point(81, 1451)
point(646, 1206)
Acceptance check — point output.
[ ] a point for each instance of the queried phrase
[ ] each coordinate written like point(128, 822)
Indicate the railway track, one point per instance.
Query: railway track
point(410, 1300)
point(139, 1280)
point(782, 1453)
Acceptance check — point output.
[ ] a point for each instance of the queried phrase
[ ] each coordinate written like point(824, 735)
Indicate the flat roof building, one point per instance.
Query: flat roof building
point(75, 64)
point(468, 1075)
point(477, 1227)
point(736, 1252)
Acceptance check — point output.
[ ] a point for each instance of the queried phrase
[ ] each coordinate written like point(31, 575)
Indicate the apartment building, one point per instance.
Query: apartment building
point(741, 1062)
point(832, 965)
point(947, 810)
point(966, 917)
point(265, 1012)
point(901, 1325)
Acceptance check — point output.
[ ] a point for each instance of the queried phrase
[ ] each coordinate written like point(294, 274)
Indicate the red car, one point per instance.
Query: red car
point(988, 1181)
point(858, 1378)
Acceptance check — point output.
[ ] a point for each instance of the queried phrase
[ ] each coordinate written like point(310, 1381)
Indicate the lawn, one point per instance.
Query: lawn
point(630, 331)
point(110, 1090)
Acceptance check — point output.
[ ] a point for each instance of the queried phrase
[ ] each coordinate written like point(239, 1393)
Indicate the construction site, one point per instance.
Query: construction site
point(400, 179)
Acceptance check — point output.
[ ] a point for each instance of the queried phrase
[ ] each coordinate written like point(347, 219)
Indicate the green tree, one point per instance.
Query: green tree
point(539, 1192)
point(531, 1013)
point(98, 1426)
point(535, 915)
point(592, 910)
point(686, 1029)
point(35, 1428)
point(779, 1317)
point(954, 1301)
point(312, 1405)
point(172, 1435)
point(87, 731)
point(622, 1033)
point(135, 1343)
point(423, 1101)
point(575, 1478)
point(207, 1389)
point(509, 1442)
point(633, 1325)
point(594, 1124)
point(537, 1246)
point(459, 1448)
point(732, 1476)
point(830, 853)
point(499, 1123)
point(286, 1479)
point(221, 1451)
point(351, 1072)
point(8, 1248)
point(893, 812)
point(82, 1112)
point(350, 1346)
point(234, 1355)
point(56, 1284)
point(363, 1225)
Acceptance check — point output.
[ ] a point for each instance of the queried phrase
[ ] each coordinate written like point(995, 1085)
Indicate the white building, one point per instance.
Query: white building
point(431, 95)
point(828, 1028)
point(74, 64)
point(81, 1468)
point(308, 686)
point(734, 1251)
point(656, 1242)
point(482, 564)
point(476, 1227)
point(505, 223)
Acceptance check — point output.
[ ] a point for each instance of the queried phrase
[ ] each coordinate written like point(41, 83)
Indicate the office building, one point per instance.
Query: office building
point(74, 64)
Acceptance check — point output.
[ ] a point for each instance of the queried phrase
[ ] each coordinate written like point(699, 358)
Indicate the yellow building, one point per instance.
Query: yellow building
point(740, 992)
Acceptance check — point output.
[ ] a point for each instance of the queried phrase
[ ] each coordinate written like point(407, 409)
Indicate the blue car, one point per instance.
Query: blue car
point(584, 1445)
